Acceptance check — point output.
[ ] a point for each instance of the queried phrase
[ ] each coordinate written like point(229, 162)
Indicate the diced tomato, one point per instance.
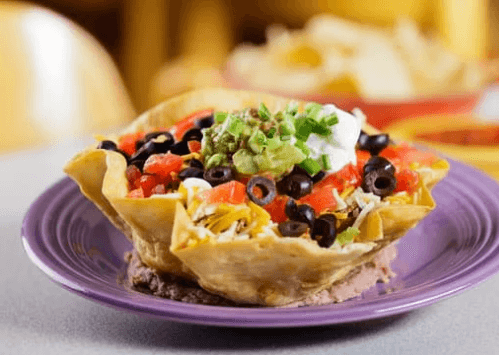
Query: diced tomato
point(403, 155)
point(362, 158)
point(136, 193)
point(277, 208)
point(158, 190)
point(243, 179)
point(231, 192)
point(147, 183)
point(127, 142)
point(163, 165)
point(194, 146)
point(407, 180)
point(392, 153)
point(410, 155)
point(133, 175)
point(189, 122)
point(320, 199)
point(348, 176)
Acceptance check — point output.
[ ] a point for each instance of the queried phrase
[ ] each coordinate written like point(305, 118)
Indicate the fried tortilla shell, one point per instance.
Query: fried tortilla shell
point(148, 222)
point(88, 169)
point(274, 271)
point(268, 270)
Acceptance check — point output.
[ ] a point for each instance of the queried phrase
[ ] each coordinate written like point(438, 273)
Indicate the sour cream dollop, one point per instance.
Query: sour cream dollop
point(340, 144)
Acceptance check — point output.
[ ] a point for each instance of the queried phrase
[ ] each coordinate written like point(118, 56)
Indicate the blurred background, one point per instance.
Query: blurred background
point(72, 66)
point(144, 37)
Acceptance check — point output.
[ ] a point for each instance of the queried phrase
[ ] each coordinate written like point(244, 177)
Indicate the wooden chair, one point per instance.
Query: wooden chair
point(55, 80)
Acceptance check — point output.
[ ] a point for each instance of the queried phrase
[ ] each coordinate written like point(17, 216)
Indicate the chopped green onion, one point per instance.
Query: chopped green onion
point(303, 129)
point(279, 116)
point(287, 127)
point(313, 110)
point(271, 132)
point(264, 112)
point(320, 129)
point(220, 116)
point(311, 166)
point(303, 147)
point(292, 108)
point(305, 126)
point(347, 235)
point(331, 119)
point(326, 162)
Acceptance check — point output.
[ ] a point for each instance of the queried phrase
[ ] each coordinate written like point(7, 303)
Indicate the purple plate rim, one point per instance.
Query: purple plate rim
point(253, 317)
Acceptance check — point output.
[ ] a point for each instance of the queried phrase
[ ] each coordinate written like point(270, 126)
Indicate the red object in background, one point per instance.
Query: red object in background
point(380, 114)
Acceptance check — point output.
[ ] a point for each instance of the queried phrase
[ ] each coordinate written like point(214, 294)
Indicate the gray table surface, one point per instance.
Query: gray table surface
point(39, 317)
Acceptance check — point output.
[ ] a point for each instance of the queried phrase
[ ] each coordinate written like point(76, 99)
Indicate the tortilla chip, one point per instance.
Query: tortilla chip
point(269, 270)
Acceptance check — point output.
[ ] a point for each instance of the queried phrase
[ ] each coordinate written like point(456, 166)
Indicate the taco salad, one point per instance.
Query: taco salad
point(258, 199)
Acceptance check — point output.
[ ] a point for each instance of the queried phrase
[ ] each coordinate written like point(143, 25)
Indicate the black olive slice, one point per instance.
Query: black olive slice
point(299, 170)
point(152, 135)
point(291, 209)
point(180, 148)
point(219, 175)
point(373, 143)
point(324, 232)
point(194, 134)
point(306, 214)
point(301, 213)
point(110, 145)
point(363, 139)
point(107, 145)
point(194, 163)
point(144, 152)
point(295, 185)
point(378, 142)
point(380, 182)
point(267, 188)
point(292, 228)
point(318, 177)
point(190, 172)
point(329, 217)
point(167, 141)
point(376, 162)
point(205, 122)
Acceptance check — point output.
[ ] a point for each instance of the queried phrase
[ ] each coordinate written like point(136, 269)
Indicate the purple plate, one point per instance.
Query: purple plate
point(453, 249)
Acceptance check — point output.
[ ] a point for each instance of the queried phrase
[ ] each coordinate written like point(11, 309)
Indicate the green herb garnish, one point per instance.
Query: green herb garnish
point(311, 166)
point(264, 112)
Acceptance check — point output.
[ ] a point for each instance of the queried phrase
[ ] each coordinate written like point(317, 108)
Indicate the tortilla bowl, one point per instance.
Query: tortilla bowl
point(158, 226)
